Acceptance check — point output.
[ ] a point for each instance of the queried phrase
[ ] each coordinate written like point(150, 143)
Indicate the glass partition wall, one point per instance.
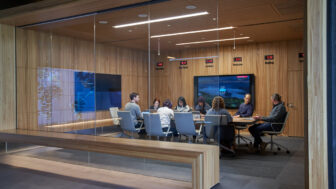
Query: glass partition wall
point(72, 71)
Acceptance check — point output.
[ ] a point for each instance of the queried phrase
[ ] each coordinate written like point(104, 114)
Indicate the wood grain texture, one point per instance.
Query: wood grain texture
point(173, 82)
point(60, 57)
point(7, 78)
point(203, 158)
point(115, 179)
point(317, 93)
point(55, 9)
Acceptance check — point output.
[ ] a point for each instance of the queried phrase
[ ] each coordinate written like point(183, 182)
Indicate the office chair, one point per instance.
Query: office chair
point(185, 125)
point(127, 124)
point(153, 126)
point(276, 133)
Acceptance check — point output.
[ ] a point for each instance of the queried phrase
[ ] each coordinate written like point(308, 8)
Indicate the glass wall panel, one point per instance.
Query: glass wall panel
point(59, 76)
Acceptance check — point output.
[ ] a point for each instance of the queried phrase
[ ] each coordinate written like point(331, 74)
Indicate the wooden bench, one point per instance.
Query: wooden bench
point(203, 158)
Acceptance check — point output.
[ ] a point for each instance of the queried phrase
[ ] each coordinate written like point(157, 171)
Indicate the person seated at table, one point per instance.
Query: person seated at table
point(202, 106)
point(227, 132)
point(134, 108)
point(277, 115)
point(182, 105)
point(166, 116)
point(156, 104)
point(246, 108)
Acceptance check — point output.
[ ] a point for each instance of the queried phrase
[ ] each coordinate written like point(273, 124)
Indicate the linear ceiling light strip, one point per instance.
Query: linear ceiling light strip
point(191, 32)
point(211, 41)
point(162, 19)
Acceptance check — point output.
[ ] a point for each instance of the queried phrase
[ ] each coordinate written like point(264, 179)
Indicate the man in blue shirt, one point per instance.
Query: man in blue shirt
point(246, 108)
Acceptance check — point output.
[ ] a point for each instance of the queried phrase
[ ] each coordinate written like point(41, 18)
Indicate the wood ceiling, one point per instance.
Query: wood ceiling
point(261, 20)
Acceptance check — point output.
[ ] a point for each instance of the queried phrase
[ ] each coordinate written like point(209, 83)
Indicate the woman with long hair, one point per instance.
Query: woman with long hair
point(182, 105)
point(227, 132)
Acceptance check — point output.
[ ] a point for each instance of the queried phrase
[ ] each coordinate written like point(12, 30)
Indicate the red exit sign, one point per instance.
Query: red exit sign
point(209, 61)
point(159, 64)
point(269, 57)
point(237, 59)
point(183, 63)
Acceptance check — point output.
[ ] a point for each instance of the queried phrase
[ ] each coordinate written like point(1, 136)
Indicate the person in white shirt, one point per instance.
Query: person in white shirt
point(166, 116)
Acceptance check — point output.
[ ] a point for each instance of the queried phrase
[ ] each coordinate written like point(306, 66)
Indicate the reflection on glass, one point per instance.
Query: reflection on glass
point(66, 96)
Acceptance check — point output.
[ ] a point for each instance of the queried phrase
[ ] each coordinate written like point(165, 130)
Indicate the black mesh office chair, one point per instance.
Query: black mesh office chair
point(272, 133)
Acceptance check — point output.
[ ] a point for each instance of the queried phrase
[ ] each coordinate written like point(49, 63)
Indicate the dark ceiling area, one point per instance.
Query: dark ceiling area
point(6, 4)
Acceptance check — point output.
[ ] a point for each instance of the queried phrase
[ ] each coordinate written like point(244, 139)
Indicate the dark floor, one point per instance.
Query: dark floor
point(246, 170)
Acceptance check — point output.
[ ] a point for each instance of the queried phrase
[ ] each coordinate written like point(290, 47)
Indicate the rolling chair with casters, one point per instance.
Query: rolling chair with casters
point(245, 139)
point(276, 133)
point(153, 126)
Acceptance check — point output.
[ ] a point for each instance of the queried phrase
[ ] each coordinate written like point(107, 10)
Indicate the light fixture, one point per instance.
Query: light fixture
point(142, 15)
point(162, 19)
point(191, 58)
point(211, 41)
point(190, 7)
point(102, 22)
point(189, 32)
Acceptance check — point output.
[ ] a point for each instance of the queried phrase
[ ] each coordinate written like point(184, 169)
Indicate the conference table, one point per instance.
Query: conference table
point(235, 121)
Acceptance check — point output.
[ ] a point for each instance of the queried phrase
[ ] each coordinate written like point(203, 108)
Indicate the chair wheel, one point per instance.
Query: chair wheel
point(287, 151)
point(279, 149)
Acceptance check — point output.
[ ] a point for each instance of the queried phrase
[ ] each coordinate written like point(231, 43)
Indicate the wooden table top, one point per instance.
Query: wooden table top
point(246, 120)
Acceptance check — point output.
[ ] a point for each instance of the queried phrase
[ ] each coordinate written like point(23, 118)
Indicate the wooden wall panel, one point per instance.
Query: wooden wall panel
point(60, 56)
point(317, 93)
point(173, 82)
point(7, 78)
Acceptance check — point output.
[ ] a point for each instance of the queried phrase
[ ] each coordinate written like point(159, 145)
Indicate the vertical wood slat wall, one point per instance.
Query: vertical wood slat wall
point(34, 51)
point(173, 82)
point(7, 78)
point(317, 93)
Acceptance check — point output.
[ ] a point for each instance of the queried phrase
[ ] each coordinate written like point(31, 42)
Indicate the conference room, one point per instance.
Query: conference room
point(162, 80)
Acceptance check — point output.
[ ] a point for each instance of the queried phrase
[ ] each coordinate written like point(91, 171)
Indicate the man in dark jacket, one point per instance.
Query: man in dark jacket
point(277, 115)
point(246, 108)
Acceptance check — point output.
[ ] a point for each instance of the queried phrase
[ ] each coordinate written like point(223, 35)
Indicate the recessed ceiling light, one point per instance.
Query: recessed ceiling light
point(102, 22)
point(130, 30)
point(211, 41)
point(190, 32)
point(214, 19)
point(142, 15)
point(162, 19)
point(168, 25)
point(190, 7)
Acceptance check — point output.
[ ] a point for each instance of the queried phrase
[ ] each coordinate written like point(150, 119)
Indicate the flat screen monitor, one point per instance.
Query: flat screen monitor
point(231, 87)
point(95, 91)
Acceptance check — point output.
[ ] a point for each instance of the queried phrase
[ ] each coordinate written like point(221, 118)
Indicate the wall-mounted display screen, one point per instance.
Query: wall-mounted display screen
point(231, 87)
point(106, 94)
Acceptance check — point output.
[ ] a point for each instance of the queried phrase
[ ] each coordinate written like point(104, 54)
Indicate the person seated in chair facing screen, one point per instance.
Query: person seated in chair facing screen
point(246, 108)
point(227, 133)
point(202, 106)
point(166, 116)
point(156, 104)
point(182, 105)
point(134, 108)
point(277, 115)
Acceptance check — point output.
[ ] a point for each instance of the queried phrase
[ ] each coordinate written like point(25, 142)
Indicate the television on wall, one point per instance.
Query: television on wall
point(231, 87)
point(95, 91)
